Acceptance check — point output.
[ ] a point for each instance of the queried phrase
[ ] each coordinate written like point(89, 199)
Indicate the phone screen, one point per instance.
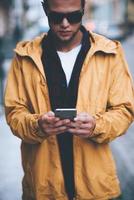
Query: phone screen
point(65, 113)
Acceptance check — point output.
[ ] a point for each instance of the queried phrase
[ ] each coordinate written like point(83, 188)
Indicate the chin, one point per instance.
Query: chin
point(65, 39)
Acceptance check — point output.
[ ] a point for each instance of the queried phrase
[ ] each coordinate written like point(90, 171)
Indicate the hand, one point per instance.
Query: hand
point(51, 125)
point(83, 125)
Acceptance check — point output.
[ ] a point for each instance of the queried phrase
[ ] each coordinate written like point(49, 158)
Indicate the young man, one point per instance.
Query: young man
point(69, 67)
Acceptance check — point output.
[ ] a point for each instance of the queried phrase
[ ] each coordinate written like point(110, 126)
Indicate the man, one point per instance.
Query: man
point(69, 67)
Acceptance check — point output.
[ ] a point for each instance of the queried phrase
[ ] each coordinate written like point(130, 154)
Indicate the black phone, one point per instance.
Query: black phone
point(65, 113)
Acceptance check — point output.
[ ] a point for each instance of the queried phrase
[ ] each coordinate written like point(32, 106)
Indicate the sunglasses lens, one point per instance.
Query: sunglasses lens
point(57, 18)
point(74, 17)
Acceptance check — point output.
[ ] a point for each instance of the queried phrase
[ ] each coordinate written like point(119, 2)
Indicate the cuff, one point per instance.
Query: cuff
point(36, 126)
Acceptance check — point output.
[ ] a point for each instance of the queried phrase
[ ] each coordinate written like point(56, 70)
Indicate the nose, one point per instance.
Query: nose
point(65, 23)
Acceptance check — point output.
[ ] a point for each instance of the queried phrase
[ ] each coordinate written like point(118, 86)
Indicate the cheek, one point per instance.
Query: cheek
point(54, 27)
point(76, 27)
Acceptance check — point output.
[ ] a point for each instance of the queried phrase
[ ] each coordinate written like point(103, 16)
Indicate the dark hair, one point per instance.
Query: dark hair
point(83, 3)
point(45, 4)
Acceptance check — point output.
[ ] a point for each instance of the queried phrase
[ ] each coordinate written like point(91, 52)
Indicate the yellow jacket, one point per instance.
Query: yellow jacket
point(105, 91)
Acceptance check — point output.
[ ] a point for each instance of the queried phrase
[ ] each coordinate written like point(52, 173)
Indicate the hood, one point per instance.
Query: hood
point(33, 48)
point(29, 48)
point(101, 43)
point(98, 43)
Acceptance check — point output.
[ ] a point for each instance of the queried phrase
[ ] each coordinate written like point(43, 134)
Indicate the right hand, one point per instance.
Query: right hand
point(51, 125)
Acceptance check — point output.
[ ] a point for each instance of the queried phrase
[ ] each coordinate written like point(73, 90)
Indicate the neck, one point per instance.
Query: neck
point(66, 46)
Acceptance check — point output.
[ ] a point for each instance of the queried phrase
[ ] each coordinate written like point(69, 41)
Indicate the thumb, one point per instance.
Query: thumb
point(50, 114)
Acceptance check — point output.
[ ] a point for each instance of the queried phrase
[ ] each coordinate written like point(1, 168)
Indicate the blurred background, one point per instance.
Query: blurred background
point(23, 20)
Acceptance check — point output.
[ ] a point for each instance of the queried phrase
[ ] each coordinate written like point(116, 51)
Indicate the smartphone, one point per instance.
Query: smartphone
point(65, 113)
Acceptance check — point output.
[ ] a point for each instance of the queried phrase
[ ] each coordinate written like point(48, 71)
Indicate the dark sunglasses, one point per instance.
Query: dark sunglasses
point(72, 17)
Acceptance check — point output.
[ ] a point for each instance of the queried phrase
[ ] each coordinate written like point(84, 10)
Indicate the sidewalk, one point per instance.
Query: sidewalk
point(10, 157)
point(6, 66)
point(1, 110)
point(10, 164)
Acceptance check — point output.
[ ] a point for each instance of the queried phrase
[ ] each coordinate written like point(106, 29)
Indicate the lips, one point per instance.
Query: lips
point(65, 33)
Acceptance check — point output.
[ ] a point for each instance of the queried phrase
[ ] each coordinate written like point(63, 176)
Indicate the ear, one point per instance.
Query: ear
point(45, 7)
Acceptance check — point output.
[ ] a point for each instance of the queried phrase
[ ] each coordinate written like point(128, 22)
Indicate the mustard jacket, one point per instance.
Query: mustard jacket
point(105, 91)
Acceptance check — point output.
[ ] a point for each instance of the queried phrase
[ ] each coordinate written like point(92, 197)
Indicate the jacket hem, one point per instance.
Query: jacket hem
point(106, 197)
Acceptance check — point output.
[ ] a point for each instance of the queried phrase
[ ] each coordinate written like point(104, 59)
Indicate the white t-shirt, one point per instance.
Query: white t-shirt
point(68, 60)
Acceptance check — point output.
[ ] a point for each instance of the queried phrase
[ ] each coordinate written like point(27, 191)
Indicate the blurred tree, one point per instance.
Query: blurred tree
point(130, 14)
point(25, 5)
point(6, 3)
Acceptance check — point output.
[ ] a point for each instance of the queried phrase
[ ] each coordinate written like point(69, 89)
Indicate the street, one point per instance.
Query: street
point(10, 162)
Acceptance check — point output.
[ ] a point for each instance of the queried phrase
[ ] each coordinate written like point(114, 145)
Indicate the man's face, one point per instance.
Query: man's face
point(64, 30)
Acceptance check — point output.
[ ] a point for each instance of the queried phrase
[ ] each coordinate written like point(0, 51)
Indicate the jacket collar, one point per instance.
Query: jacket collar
point(33, 48)
point(100, 43)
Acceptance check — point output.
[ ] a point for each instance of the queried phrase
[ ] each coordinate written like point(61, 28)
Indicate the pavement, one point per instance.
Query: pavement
point(10, 157)
point(11, 172)
point(10, 164)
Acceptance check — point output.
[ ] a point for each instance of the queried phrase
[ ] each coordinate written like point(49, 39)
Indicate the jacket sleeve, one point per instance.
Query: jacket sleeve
point(120, 106)
point(22, 122)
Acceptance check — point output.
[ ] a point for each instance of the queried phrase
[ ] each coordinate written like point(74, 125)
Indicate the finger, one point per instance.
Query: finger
point(90, 134)
point(60, 129)
point(87, 120)
point(62, 123)
point(48, 114)
point(87, 126)
point(49, 119)
point(79, 131)
point(55, 131)
point(82, 118)
point(59, 123)
point(82, 114)
point(82, 126)
point(75, 124)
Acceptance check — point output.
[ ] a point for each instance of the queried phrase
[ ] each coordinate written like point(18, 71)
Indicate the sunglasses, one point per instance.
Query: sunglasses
point(72, 17)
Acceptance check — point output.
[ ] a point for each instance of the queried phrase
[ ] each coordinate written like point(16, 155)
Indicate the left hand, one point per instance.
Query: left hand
point(83, 125)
